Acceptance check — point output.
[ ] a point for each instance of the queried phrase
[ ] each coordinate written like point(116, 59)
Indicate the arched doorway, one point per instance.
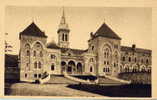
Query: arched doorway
point(79, 68)
point(71, 67)
point(63, 66)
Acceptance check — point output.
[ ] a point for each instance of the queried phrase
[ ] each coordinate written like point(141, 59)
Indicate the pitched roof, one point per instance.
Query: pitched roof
point(33, 30)
point(139, 50)
point(106, 31)
point(74, 51)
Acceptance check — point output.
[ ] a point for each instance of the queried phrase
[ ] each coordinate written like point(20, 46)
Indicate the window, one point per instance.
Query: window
point(91, 69)
point(66, 37)
point(91, 60)
point(104, 62)
point(62, 37)
point(35, 75)
point(38, 44)
point(34, 53)
point(107, 62)
point(92, 47)
point(25, 75)
point(28, 53)
point(104, 69)
point(106, 53)
point(135, 59)
point(141, 60)
point(53, 56)
point(123, 58)
point(114, 64)
point(35, 65)
point(147, 61)
point(39, 75)
point(39, 65)
point(129, 59)
point(52, 67)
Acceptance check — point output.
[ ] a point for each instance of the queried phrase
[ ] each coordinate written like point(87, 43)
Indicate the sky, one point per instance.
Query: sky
point(133, 25)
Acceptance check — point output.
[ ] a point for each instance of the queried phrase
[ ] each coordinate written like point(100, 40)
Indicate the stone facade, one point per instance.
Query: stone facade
point(104, 54)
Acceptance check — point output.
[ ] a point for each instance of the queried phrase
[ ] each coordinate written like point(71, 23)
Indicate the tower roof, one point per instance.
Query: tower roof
point(33, 30)
point(63, 25)
point(106, 31)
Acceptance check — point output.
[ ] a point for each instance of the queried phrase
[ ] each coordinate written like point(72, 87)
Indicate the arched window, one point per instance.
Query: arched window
point(52, 67)
point(91, 69)
point(28, 53)
point(25, 75)
point(34, 53)
point(106, 53)
point(147, 61)
point(39, 65)
point(66, 37)
point(104, 69)
point(62, 37)
point(35, 65)
point(123, 58)
point(92, 48)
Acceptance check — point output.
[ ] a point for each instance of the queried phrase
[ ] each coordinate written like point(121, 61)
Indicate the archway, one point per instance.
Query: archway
point(79, 68)
point(71, 67)
point(63, 66)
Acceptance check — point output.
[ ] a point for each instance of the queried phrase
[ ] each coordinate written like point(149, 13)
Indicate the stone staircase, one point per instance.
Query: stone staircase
point(60, 79)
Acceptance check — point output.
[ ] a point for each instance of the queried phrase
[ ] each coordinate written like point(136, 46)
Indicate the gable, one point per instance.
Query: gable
point(106, 31)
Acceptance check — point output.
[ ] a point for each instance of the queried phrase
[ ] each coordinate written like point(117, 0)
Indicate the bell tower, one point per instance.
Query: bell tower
point(63, 33)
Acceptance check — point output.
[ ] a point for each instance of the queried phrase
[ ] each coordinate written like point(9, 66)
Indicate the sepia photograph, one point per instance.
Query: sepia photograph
point(78, 51)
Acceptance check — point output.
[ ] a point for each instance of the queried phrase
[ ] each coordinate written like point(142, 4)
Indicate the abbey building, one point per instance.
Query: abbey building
point(104, 55)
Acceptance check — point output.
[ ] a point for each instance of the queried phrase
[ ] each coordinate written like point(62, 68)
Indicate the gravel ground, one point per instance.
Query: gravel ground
point(27, 89)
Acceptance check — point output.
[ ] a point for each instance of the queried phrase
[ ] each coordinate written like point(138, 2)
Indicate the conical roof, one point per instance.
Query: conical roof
point(106, 31)
point(33, 30)
point(63, 26)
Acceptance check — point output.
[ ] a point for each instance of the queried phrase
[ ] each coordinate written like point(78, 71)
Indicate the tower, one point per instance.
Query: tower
point(63, 33)
point(32, 54)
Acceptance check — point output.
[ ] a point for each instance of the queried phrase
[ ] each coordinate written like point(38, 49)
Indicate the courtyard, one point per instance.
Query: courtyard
point(141, 87)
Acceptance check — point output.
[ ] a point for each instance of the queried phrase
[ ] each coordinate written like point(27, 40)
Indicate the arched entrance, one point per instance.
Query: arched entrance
point(79, 68)
point(71, 67)
point(63, 66)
